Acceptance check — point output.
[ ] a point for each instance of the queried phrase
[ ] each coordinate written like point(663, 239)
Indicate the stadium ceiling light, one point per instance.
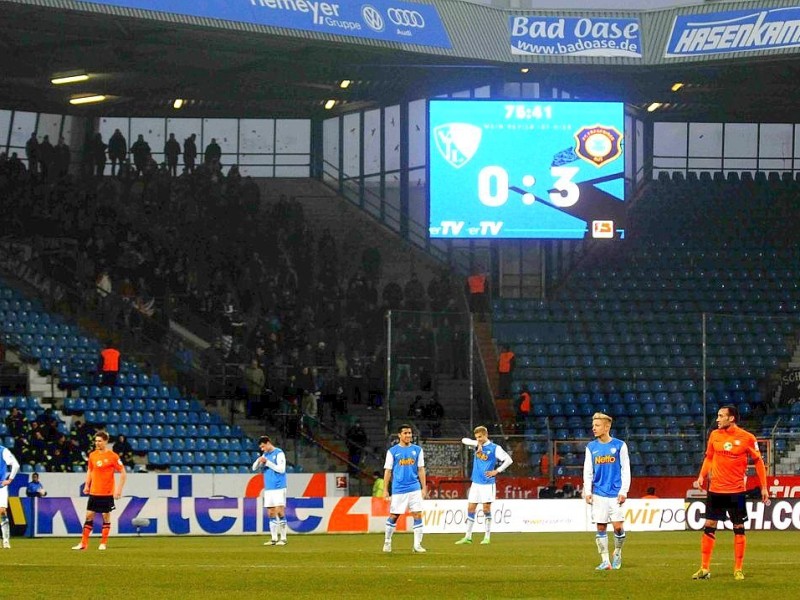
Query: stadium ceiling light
point(330, 104)
point(654, 106)
point(677, 86)
point(178, 103)
point(524, 70)
point(88, 99)
point(345, 84)
point(69, 79)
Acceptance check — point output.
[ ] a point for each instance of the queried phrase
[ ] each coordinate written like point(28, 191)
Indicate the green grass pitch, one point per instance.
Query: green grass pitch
point(656, 565)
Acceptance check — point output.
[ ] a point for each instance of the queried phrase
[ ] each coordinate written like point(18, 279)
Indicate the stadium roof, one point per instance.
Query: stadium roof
point(145, 64)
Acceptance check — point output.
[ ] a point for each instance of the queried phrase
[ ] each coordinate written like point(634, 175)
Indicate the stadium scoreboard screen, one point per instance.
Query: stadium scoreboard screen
point(524, 169)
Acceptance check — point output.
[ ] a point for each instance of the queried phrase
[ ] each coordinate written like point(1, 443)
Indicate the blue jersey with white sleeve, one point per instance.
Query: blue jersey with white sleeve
point(404, 462)
point(275, 479)
point(486, 459)
point(606, 469)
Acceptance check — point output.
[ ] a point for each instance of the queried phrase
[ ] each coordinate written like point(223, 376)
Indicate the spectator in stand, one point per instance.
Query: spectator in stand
point(378, 484)
point(124, 450)
point(434, 412)
point(97, 152)
point(35, 489)
point(213, 153)
point(417, 408)
point(32, 153)
point(190, 152)
point(109, 364)
point(117, 150)
point(46, 158)
point(172, 149)
point(544, 464)
point(310, 408)
point(63, 156)
point(393, 295)
point(505, 370)
point(477, 287)
point(650, 494)
point(141, 154)
point(254, 380)
point(523, 408)
point(414, 293)
point(16, 422)
point(356, 440)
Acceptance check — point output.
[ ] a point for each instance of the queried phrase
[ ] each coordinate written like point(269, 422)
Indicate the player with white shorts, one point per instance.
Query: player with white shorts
point(408, 502)
point(9, 467)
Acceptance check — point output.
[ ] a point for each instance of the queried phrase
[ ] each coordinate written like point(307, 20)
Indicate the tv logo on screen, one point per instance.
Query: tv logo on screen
point(457, 142)
point(603, 229)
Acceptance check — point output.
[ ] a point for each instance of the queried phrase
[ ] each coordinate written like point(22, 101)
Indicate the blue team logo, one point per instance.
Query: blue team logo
point(457, 142)
point(598, 144)
point(613, 451)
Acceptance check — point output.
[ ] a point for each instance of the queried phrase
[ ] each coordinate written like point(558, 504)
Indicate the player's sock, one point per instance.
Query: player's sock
point(601, 539)
point(87, 531)
point(619, 539)
point(5, 528)
point(390, 527)
point(488, 527)
point(273, 529)
point(417, 532)
point(707, 546)
point(283, 528)
point(739, 544)
point(470, 524)
point(105, 531)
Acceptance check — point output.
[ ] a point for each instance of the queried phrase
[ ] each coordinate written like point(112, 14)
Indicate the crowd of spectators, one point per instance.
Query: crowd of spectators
point(40, 441)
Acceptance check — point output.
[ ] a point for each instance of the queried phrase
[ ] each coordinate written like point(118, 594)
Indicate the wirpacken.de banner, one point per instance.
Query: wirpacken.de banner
point(573, 36)
point(734, 31)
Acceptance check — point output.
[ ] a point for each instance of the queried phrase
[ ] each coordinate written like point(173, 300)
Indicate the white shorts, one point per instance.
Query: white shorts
point(273, 498)
point(3, 497)
point(409, 502)
point(607, 510)
point(481, 493)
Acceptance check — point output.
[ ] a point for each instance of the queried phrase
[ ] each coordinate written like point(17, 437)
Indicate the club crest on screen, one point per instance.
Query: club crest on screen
point(598, 144)
point(457, 143)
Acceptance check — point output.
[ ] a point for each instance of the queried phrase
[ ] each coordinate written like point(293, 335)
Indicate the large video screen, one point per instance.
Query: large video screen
point(523, 169)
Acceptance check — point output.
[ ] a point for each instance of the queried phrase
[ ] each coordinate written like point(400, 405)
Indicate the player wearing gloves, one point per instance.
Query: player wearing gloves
point(484, 470)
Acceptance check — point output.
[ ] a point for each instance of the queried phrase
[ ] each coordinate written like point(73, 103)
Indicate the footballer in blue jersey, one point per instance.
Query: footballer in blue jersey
point(606, 481)
point(404, 471)
point(273, 462)
point(485, 468)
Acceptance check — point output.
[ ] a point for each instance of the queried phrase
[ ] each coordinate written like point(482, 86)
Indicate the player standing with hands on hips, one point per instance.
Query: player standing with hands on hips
point(404, 475)
point(726, 466)
point(606, 481)
point(273, 461)
point(483, 489)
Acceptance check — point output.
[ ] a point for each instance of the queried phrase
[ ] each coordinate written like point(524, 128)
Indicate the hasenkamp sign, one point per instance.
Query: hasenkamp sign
point(573, 36)
point(386, 20)
point(734, 31)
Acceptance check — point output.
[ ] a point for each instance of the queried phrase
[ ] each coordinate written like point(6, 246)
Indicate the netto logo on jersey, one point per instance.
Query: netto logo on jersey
point(605, 460)
point(405, 462)
point(406, 18)
point(598, 144)
point(457, 143)
point(372, 17)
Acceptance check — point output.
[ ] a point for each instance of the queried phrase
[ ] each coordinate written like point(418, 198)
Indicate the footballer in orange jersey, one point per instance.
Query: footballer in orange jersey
point(101, 487)
point(725, 465)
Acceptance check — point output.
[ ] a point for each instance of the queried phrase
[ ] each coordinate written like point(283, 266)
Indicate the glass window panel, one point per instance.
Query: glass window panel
point(292, 159)
point(372, 141)
point(256, 136)
point(740, 164)
point(292, 171)
point(5, 123)
point(775, 142)
point(352, 153)
point(705, 139)
point(417, 198)
point(225, 132)
point(256, 159)
point(391, 139)
point(483, 92)
point(511, 89)
point(253, 171)
point(417, 139)
point(531, 89)
point(330, 150)
point(639, 150)
point(740, 140)
point(669, 139)
point(108, 125)
point(461, 94)
point(183, 128)
point(23, 125)
point(49, 125)
point(293, 136)
point(705, 164)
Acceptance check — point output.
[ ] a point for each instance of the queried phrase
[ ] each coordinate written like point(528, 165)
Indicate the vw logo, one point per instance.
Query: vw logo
point(372, 17)
point(406, 18)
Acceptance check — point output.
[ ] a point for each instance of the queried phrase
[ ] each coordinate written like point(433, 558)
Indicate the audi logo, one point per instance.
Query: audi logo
point(372, 17)
point(406, 18)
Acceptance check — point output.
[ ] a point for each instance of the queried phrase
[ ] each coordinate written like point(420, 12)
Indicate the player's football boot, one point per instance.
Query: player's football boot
point(603, 566)
point(387, 546)
point(702, 574)
point(485, 541)
point(270, 543)
point(280, 543)
point(102, 547)
point(6, 544)
point(738, 575)
point(419, 550)
point(464, 540)
point(616, 559)
point(79, 547)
